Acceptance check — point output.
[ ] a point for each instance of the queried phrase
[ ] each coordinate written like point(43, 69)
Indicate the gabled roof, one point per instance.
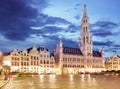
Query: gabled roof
point(38, 49)
point(52, 55)
point(96, 54)
point(42, 49)
point(29, 49)
point(73, 51)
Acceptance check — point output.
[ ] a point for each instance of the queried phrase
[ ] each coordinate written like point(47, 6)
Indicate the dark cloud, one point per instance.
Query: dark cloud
point(56, 20)
point(69, 43)
point(101, 33)
point(48, 30)
point(77, 5)
point(15, 19)
point(73, 28)
point(99, 43)
point(103, 28)
point(77, 17)
point(109, 46)
point(106, 24)
point(51, 29)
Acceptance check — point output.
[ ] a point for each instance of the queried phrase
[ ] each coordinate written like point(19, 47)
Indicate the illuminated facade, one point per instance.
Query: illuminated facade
point(33, 60)
point(81, 59)
point(66, 60)
point(113, 63)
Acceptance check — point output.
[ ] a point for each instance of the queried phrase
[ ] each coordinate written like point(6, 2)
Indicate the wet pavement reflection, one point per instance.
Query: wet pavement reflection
point(64, 82)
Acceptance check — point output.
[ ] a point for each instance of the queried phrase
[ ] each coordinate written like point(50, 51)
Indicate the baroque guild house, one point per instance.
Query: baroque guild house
point(113, 63)
point(65, 60)
point(33, 60)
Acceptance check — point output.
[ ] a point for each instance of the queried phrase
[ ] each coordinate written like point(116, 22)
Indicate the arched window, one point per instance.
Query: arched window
point(83, 21)
point(44, 62)
point(47, 62)
point(84, 40)
point(87, 39)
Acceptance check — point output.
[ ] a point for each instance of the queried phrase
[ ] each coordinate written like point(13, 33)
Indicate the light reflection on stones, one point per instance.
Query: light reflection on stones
point(64, 82)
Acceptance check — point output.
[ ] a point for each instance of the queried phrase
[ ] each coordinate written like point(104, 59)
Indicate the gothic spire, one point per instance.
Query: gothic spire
point(85, 41)
point(85, 11)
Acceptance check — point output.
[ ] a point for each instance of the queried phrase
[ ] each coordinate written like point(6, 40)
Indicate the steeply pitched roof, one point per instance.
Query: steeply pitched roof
point(52, 54)
point(29, 49)
point(96, 54)
point(73, 51)
point(38, 49)
point(42, 48)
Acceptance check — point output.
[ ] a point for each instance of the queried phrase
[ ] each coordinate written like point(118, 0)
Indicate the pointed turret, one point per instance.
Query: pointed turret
point(102, 52)
point(60, 46)
point(34, 46)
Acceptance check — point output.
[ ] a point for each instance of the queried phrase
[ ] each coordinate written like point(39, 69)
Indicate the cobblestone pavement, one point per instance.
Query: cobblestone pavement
point(64, 82)
point(19, 84)
point(2, 82)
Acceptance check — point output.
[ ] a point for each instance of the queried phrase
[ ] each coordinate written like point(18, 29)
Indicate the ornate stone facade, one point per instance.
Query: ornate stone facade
point(82, 59)
point(113, 63)
point(66, 60)
point(33, 60)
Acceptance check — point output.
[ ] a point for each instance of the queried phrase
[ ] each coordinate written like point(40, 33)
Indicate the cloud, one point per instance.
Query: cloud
point(76, 7)
point(17, 17)
point(104, 28)
point(73, 28)
point(56, 20)
point(77, 17)
point(106, 24)
point(107, 43)
point(101, 33)
point(69, 43)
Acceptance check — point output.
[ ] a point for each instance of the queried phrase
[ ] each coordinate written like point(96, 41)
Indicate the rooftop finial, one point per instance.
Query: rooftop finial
point(34, 45)
point(84, 5)
point(85, 11)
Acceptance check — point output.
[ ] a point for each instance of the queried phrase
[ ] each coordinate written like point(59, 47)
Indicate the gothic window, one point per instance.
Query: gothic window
point(47, 62)
point(86, 28)
point(87, 39)
point(83, 21)
point(24, 54)
point(68, 59)
point(27, 59)
point(44, 56)
point(44, 62)
point(84, 40)
point(41, 55)
point(40, 61)
point(34, 57)
point(34, 62)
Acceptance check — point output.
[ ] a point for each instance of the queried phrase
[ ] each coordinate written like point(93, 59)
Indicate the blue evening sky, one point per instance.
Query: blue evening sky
point(24, 23)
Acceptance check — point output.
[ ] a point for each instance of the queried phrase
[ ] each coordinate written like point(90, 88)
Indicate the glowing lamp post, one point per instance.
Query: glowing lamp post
point(6, 67)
